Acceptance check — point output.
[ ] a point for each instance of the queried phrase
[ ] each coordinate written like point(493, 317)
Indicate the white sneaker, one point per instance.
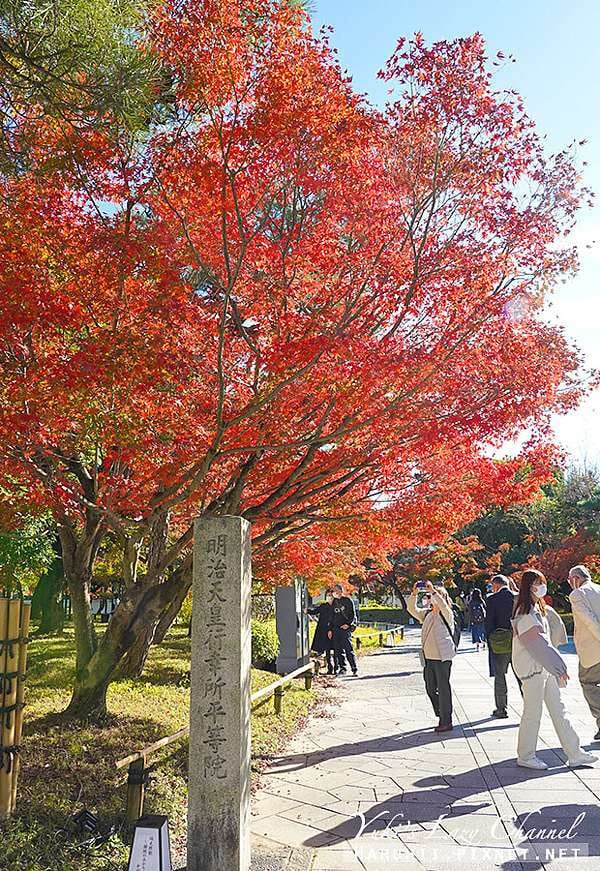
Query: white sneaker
point(534, 762)
point(582, 759)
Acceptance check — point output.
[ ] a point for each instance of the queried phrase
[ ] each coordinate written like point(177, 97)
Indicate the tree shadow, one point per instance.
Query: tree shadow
point(380, 746)
point(388, 675)
point(557, 831)
point(438, 807)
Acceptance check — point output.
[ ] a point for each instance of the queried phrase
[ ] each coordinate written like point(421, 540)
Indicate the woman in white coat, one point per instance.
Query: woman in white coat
point(437, 649)
point(537, 628)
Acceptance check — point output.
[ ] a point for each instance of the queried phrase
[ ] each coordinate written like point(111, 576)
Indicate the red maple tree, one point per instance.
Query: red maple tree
point(278, 302)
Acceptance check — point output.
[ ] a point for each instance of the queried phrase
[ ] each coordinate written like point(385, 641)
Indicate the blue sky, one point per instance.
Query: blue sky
point(557, 49)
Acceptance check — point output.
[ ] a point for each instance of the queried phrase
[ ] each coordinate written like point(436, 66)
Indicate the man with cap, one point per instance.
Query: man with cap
point(585, 604)
point(498, 629)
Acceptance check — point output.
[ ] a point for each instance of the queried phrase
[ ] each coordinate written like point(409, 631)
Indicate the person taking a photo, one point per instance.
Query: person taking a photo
point(437, 648)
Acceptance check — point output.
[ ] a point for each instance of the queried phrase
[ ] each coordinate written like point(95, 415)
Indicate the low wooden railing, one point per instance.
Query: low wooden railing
point(137, 778)
point(383, 635)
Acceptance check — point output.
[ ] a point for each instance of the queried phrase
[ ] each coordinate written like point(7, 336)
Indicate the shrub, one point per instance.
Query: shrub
point(382, 614)
point(265, 643)
point(263, 606)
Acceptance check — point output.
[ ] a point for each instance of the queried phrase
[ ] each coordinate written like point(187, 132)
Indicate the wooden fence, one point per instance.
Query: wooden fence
point(138, 774)
point(383, 635)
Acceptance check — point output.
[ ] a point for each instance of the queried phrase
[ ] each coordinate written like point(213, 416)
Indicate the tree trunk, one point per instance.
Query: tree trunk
point(46, 603)
point(136, 617)
point(83, 622)
point(169, 615)
point(88, 702)
point(78, 560)
point(132, 664)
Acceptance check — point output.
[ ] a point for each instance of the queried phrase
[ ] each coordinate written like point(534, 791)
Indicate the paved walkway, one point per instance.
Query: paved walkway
point(368, 786)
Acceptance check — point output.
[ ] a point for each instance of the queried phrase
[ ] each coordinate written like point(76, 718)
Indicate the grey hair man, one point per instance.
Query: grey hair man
point(585, 603)
point(499, 611)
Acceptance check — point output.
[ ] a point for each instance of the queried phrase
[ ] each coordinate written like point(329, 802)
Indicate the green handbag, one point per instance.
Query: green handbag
point(501, 640)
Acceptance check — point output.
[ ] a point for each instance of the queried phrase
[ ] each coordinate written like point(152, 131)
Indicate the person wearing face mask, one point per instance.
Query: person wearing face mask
point(537, 631)
point(437, 649)
point(323, 638)
point(344, 624)
point(585, 603)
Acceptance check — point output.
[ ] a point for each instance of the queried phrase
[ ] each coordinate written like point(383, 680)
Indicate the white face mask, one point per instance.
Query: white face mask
point(540, 591)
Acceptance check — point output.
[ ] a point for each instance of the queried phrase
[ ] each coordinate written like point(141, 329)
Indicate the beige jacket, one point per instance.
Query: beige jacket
point(585, 602)
point(436, 641)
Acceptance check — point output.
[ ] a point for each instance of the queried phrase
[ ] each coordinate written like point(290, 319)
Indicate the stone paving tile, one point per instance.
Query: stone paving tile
point(271, 804)
point(346, 808)
point(293, 833)
point(337, 860)
point(306, 794)
point(376, 755)
point(351, 792)
point(314, 816)
point(317, 778)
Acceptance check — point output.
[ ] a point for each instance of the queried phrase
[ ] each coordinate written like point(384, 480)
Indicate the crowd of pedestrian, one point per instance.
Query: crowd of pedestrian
point(522, 632)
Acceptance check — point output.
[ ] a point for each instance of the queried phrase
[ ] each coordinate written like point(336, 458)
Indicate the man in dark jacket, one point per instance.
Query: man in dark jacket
point(499, 611)
point(344, 623)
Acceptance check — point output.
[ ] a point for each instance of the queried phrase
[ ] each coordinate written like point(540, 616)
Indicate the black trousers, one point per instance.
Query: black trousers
point(331, 658)
point(436, 675)
point(342, 641)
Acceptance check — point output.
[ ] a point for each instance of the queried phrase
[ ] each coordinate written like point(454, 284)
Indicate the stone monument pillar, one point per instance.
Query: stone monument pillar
point(219, 766)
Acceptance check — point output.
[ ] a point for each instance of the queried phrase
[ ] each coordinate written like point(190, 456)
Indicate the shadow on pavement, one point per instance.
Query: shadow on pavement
point(443, 800)
point(380, 746)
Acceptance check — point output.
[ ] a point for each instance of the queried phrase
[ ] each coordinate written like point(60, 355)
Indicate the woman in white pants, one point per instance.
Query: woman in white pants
point(543, 671)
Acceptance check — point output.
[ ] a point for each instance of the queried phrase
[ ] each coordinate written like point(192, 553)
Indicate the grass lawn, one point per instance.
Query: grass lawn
point(369, 637)
point(66, 767)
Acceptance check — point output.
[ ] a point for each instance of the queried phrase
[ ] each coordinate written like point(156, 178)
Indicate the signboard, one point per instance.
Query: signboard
point(151, 850)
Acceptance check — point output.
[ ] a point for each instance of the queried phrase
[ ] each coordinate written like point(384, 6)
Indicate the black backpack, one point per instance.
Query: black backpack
point(477, 614)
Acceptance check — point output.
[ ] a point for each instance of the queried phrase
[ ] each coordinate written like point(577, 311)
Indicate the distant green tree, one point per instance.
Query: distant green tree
point(77, 61)
point(26, 552)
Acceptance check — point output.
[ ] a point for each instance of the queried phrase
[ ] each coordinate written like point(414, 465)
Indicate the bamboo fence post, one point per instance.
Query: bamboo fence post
point(10, 618)
point(23, 642)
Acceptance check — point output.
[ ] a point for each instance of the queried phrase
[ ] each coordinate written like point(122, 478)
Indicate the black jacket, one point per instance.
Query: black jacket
point(324, 612)
point(499, 610)
point(344, 612)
